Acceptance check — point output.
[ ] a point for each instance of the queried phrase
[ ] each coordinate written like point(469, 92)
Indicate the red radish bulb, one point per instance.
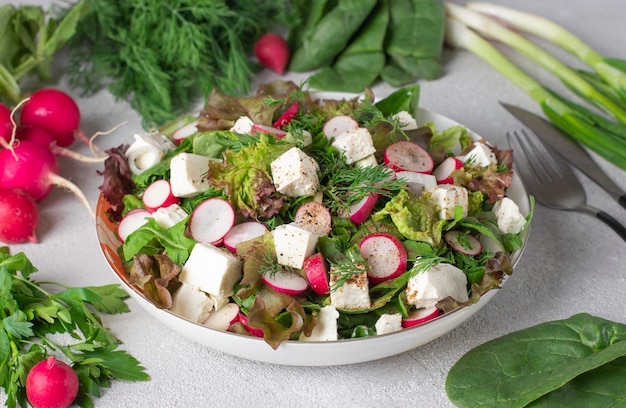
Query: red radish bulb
point(419, 316)
point(385, 255)
point(443, 172)
point(6, 126)
point(35, 134)
point(158, 194)
point(287, 116)
point(19, 216)
point(211, 220)
point(243, 232)
point(316, 270)
point(272, 51)
point(288, 283)
point(338, 125)
point(51, 384)
point(409, 156)
point(314, 217)
point(131, 222)
point(54, 111)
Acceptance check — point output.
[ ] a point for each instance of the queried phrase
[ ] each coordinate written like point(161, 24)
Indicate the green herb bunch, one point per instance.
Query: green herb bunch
point(33, 321)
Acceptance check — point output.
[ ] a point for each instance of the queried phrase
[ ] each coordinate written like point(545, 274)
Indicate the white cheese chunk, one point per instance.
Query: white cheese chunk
point(442, 280)
point(147, 150)
point(352, 294)
point(191, 303)
point(481, 155)
point(211, 270)
point(388, 323)
point(295, 174)
point(369, 161)
point(189, 174)
point(448, 196)
point(354, 144)
point(293, 244)
point(510, 219)
point(407, 121)
point(417, 182)
point(169, 216)
point(243, 125)
point(326, 327)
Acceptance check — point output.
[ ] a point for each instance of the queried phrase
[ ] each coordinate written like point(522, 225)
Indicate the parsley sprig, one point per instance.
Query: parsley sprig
point(30, 315)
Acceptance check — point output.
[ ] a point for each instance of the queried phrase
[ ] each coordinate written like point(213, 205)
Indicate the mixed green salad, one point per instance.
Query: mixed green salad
point(260, 283)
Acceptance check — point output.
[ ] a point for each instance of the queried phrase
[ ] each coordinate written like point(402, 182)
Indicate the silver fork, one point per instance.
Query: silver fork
point(550, 179)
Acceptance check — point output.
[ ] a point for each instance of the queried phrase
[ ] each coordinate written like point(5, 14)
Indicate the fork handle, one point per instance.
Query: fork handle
point(612, 222)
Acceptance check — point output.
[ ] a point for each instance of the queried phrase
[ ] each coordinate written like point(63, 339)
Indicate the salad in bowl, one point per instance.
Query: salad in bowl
point(287, 219)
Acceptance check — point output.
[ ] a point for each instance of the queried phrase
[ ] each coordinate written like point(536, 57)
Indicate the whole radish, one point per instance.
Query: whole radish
point(51, 384)
point(6, 126)
point(272, 51)
point(35, 134)
point(19, 216)
point(54, 111)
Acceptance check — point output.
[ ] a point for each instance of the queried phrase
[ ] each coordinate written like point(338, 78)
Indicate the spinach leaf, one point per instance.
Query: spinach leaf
point(521, 367)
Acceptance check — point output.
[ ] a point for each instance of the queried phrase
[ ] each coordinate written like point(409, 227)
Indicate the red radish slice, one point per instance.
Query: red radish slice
point(289, 283)
point(463, 243)
point(131, 222)
point(278, 133)
point(314, 217)
point(360, 211)
point(385, 255)
point(443, 172)
point(316, 270)
point(243, 232)
point(252, 330)
point(211, 220)
point(185, 131)
point(287, 116)
point(419, 316)
point(407, 155)
point(338, 125)
point(158, 195)
point(222, 318)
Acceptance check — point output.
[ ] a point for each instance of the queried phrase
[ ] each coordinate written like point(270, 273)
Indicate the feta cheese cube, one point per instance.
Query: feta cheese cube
point(481, 155)
point(295, 174)
point(326, 327)
point(353, 294)
point(369, 161)
point(211, 270)
point(417, 182)
point(169, 216)
point(147, 150)
point(354, 144)
point(191, 303)
point(388, 323)
point(448, 196)
point(189, 174)
point(407, 121)
point(510, 219)
point(293, 244)
point(243, 125)
point(442, 280)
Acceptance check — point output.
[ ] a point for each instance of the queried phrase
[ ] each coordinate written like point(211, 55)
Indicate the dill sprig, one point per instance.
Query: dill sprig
point(271, 267)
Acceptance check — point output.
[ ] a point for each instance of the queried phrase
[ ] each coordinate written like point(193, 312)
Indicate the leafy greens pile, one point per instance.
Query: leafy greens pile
point(579, 361)
point(33, 318)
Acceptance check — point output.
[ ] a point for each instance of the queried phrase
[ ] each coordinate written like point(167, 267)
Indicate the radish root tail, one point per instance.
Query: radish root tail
point(65, 183)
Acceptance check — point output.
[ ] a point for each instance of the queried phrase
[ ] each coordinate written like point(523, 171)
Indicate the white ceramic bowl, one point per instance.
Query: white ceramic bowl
point(307, 353)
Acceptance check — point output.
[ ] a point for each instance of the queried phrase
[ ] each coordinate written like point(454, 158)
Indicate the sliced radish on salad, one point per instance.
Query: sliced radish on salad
point(270, 130)
point(287, 116)
point(360, 212)
point(463, 243)
point(385, 254)
point(222, 318)
point(420, 316)
point(289, 283)
point(185, 131)
point(314, 217)
point(252, 330)
point(316, 270)
point(158, 195)
point(211, 220)
point(242, 232)
point(131, 222)
point(443, 172)
point(338, 125)
point(409, 156)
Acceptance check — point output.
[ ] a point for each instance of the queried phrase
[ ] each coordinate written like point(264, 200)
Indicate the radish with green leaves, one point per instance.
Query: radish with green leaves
point(51, 384)
point(19, 216)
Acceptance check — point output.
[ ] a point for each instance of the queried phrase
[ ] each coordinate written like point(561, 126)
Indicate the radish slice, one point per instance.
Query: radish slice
point(252, 330)
point(463, 243)
point(316, 270)
point(222, 318)
point(338, 125)
point(289, 283)
point(211, 220)
point(360, 211)
point(314, 217)
point(443, 172)
point(243, 232)
point(278, 133)
point(419, 316)
point(158, 195)
point(131, 222)
point(417, 182)
point(407, 155)
point(385, 255)
point(185, 131)
point(287, 116)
